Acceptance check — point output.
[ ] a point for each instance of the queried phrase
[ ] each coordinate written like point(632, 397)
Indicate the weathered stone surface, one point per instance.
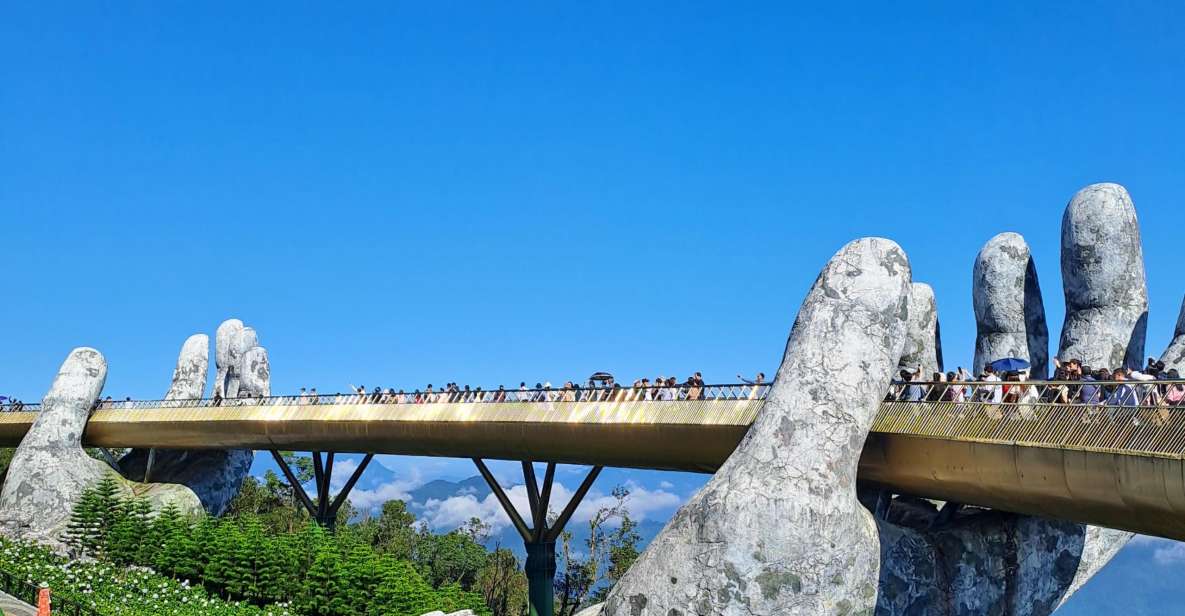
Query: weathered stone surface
point(228, 350)
point(778, 529)
point(1106, 312)
point(923, 342)
point(984, 562)
point(990, 562)
point(214, 476)
point(49, 470)
point(1174, 355)
point(189, 377)
point(1009, 311)
point(257, 375)
point(1103, 273)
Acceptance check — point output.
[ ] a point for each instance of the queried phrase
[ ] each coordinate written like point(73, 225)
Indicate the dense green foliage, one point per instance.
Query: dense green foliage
point(115, 590)
point(239, 559)
point(267, 557)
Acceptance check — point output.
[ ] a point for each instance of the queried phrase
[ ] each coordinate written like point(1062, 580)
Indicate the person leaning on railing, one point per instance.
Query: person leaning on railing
point(1059, 392)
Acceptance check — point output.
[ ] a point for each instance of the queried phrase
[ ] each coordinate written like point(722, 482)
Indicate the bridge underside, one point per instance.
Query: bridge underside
point(1052, 461)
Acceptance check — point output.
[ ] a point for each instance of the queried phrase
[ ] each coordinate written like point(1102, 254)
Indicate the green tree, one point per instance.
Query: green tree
point(451, 557)
point(324, 592)
point(127, 540)
point(361, 578)
point(395, 531)
point(453, 598)
point(92, 518)
point(503, 584)
point(401, 591)
point(607, 555)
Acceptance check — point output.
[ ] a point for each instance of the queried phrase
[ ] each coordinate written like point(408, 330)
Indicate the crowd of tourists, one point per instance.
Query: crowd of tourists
point(12, 404)
point(600, 388)
point(1072, 383)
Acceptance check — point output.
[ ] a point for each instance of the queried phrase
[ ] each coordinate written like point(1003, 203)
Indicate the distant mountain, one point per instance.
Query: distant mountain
point(1145, 579)
point(441, 489)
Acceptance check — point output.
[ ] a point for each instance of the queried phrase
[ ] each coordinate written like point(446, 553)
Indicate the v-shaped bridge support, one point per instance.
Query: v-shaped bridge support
point(539, 537)
point(324, 510)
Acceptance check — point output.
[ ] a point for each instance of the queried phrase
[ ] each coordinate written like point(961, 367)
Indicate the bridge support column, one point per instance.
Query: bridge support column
point(540, 537)
point(324, 510)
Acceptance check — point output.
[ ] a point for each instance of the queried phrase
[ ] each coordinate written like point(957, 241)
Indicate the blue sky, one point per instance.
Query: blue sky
point(398, 195)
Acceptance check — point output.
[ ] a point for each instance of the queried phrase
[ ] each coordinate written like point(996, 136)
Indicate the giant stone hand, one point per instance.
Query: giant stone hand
point(242, 368)
point(778, 529)
point(50, 470)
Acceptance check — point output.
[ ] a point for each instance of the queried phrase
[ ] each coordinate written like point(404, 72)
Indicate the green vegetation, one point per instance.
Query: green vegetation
point(266, 557)
point(240, 561)
point(109, 589)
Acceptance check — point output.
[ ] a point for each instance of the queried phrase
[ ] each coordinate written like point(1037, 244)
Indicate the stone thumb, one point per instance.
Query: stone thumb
point(68, 405)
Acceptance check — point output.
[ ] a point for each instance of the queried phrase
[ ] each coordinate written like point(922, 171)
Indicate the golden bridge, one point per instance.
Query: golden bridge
point(1118, 463)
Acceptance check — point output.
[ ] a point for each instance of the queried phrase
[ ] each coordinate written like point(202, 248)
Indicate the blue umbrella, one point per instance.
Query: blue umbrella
point(1010, 364)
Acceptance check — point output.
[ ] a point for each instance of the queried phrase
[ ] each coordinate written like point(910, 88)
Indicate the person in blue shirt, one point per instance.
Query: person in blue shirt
point(1122, 394)
point(1089, 393)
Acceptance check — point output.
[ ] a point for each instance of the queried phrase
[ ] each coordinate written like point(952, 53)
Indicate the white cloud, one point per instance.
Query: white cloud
point(666, 485)
point(1164, 551)
point(366, 500)
point(342, 469)
point(455, 511)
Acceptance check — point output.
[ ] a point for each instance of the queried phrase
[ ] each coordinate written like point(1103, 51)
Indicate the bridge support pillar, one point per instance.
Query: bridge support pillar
point(540, 570)
point(324, 511)
point(539, 538)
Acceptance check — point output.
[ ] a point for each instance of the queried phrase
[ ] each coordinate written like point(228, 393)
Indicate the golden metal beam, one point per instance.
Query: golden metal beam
point(1116, 467)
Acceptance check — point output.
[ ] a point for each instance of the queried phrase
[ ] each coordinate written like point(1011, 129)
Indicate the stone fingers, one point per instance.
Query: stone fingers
point(1106, 314)
point(257, 374)
point(193, 362)
point(778, 529)
point(1103, 273)
point(923, 344)
point(1009, 311)
point(1174, 356)
point(49, 470)
point(188, 383)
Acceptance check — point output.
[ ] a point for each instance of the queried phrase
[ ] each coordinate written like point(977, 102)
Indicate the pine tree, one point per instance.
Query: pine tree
point(324, 590)
point(93, 516)
point(127, 540)
point(166, 537)
point(361, 578)
point(453, 598)
point(220, 554)
point(82, 533)
point(401, 590)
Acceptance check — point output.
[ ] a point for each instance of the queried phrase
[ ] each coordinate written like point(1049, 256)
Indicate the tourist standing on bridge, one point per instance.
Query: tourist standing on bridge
point(757, 383)
point(1174, 394)
point(1059, 392)
point(1090, 394)
point(990, 393)
point(1121, 394)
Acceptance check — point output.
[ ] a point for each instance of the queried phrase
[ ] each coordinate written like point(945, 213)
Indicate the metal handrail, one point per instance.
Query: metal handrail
point(678, 392)
point(1134, 393)
point(1128, 393)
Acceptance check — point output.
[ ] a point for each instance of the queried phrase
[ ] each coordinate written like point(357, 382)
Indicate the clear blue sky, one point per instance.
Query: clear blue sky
point(488, 194)
point(397, 196)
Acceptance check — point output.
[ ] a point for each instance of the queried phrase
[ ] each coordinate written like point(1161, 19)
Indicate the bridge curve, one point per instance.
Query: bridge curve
point(1118, 465)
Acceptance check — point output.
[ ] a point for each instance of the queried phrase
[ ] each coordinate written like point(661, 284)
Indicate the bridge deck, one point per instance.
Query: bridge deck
point(1117, 467)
